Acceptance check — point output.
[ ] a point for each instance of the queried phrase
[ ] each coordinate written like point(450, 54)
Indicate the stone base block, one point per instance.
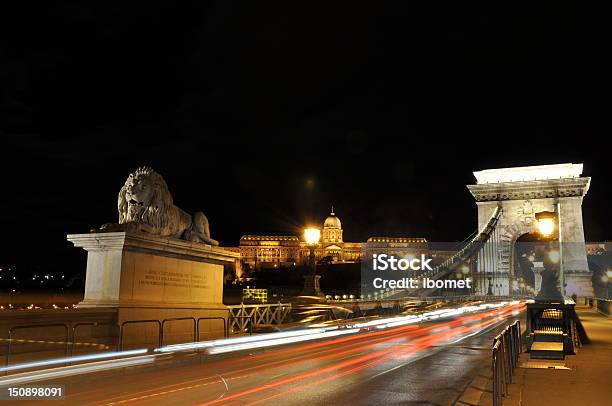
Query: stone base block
point(165, 290)
point(136, 269)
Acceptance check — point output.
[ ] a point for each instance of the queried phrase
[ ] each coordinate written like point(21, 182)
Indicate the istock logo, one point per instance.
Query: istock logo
point(383, 262)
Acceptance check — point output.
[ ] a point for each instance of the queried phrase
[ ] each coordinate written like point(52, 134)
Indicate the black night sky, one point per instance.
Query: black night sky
point(264, 114)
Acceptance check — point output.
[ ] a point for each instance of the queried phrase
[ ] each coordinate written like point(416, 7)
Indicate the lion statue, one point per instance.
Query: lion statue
point(145, 205)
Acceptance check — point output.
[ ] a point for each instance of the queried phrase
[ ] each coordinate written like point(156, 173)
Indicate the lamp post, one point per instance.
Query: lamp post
point(311, 279)
point(549, 229)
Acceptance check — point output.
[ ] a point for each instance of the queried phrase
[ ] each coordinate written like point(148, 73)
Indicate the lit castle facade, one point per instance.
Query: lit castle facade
point(274, 251)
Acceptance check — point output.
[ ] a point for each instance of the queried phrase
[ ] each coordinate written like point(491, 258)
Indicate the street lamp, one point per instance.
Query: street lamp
point(547, 224)
point(312, 236)
point(549, 228)
point(607, 277)
point(554, 256)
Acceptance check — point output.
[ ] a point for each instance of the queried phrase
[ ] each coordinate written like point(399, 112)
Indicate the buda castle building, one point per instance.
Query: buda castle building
point(275, 251)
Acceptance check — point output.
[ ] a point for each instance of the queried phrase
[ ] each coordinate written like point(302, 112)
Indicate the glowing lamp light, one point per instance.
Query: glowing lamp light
point(312, 236)
point(554, 256)
point(609, 274)
point(465, 269)
point(546, 226)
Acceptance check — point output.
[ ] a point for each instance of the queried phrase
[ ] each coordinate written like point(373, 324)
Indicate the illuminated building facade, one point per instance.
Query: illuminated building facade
point(275, 251)
point(269, 251)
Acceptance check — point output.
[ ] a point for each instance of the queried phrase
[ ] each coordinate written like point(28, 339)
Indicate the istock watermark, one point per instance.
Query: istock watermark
point(382, 262)
point(398, 263)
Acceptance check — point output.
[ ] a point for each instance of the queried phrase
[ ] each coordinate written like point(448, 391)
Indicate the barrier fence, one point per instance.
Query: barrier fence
point(9, 343)
point(161, 324)
point(243, 317)
point(506, 349)
point(604, 306)
point(240, 319)
point(69, 341)
point(92, 324)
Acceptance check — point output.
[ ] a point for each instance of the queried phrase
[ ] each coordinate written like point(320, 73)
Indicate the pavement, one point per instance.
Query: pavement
point(586, 381)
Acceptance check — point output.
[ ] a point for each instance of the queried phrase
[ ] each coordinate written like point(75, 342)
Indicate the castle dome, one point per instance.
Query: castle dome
point(332, 221)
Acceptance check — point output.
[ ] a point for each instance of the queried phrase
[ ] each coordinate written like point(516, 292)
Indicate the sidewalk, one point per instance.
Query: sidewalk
point(588, 380)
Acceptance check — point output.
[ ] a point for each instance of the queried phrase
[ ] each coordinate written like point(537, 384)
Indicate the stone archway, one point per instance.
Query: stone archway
point(522, 192)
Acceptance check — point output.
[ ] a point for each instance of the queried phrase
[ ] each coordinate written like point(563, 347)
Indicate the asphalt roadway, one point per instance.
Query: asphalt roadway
point(426, 364)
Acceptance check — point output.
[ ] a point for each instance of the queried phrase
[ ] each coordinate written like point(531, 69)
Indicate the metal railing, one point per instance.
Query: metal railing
point(225, 330)
point(506, 349)
point(162, 323)
point(159, 330)
point(93, 324)
point(192, 319)
point(243, 317)
point(240, 323)
point(604, 306)
point(69, 340)
point(10, 340)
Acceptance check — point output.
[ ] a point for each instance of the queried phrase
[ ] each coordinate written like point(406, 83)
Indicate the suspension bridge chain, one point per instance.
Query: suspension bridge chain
point(472, 249)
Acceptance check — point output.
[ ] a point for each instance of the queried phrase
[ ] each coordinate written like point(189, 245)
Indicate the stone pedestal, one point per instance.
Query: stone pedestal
point(151, 278)
point(311, 286)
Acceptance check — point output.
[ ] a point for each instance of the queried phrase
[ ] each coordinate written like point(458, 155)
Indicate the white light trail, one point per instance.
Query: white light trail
point(279, 341)
point(137, 357)
point(66, 360)
point(61, 372)
point(286, 337)
point(240, 340)
point(434, 315)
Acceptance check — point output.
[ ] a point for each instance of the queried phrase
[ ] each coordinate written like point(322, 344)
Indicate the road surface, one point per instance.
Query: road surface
point(429, 363)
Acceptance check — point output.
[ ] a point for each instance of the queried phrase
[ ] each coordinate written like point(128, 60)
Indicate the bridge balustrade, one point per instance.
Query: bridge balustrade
point(246, 317)
point(507, 347)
